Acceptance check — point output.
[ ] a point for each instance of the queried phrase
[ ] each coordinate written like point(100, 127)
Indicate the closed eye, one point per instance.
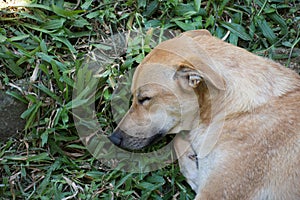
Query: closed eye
point(144, 100)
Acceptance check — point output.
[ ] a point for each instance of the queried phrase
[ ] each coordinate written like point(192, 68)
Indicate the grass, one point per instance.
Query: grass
point(45, 42)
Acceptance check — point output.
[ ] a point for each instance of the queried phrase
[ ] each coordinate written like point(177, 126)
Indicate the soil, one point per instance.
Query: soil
point(10, 112)
point(294, 62)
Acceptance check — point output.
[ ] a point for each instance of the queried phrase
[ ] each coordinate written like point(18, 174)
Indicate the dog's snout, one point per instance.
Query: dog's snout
point(116, 138)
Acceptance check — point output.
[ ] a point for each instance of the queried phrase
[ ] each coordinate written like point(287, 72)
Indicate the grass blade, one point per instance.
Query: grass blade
point(237, 29)
point(48, 92)
point(197, 5)
point(266, 30)
point(54, 24)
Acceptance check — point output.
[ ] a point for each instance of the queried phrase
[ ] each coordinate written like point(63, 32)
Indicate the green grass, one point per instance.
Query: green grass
point(45, 44)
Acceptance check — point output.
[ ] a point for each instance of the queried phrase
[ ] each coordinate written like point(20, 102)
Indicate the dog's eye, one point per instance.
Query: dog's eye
point(144, 100)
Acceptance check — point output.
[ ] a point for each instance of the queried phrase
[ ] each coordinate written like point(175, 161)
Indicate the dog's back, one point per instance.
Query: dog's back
point(264, 148)
point(259, 148)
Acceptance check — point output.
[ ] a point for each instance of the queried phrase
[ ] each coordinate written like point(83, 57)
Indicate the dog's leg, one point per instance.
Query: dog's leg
point(215, 190)
point(187, 160)
point(230, 177)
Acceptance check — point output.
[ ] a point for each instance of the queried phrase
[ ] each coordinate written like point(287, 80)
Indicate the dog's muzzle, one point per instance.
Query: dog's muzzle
point(128, 142)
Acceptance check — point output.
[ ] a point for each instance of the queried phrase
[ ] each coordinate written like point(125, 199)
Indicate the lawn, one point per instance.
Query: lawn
point(46, 61)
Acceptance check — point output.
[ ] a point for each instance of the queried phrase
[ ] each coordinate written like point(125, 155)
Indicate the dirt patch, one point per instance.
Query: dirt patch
point(10, 112)
point(294, 62)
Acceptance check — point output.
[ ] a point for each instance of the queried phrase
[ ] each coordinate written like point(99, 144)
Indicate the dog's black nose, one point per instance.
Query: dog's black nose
point(116, 137)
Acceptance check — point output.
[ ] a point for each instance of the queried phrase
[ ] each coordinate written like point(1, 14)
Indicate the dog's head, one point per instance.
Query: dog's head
point(167, 87)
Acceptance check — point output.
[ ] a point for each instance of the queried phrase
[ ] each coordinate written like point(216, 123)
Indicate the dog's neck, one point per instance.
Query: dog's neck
point(210, 103)
point(216, 106)
point(204, 102)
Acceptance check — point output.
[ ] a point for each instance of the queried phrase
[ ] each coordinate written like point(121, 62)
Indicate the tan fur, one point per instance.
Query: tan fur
point(237, 112)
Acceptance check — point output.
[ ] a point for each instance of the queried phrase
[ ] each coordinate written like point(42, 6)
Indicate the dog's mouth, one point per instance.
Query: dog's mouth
point(132, 143)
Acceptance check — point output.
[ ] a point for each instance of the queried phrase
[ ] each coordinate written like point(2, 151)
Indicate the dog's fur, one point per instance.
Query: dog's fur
point(238, 115)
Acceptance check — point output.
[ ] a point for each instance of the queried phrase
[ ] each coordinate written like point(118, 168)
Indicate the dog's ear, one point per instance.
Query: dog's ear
point(189, 75)
point(196, 61)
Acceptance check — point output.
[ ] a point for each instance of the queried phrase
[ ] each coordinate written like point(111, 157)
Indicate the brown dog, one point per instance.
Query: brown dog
point(237, 114)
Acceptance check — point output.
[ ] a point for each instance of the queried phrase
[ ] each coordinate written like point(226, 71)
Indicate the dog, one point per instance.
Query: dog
point(235, 116)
